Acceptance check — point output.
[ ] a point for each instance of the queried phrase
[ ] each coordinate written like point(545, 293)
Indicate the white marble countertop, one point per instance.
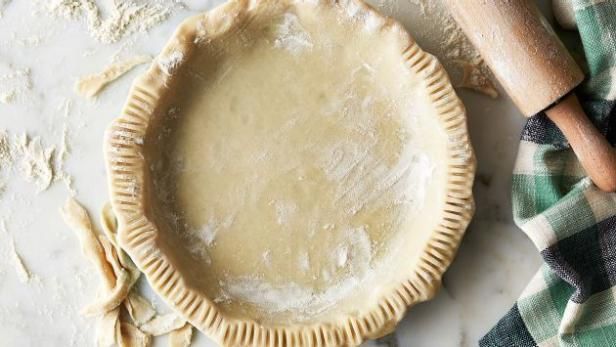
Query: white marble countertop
point(494, 263)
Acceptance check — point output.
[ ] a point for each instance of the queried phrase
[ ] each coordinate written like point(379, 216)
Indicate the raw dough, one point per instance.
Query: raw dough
point(76, 217)
point(297, 172)
point(89, 86)
point(140, 310)
point(108, 331)
point(163, 324)
point(119, 275)
point(23, 272)
point(181, 337)
point(304, 136)
point(133, 337)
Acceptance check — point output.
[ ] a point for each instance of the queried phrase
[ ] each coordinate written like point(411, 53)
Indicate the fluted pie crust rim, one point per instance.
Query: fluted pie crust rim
point(127, 178)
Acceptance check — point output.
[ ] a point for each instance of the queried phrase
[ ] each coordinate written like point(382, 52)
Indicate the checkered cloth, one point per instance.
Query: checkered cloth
point(571, 301)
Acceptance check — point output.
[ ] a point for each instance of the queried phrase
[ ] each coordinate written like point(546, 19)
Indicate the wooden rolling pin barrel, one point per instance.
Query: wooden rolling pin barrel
point(538, 73)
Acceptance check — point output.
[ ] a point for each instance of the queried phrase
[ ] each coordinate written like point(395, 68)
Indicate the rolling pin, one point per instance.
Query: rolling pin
point(538, 73)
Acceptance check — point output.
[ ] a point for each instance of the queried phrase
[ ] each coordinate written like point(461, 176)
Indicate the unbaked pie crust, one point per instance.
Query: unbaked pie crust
point(292, 173)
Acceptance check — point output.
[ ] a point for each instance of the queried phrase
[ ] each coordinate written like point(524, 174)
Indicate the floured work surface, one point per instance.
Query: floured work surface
point(299, 166)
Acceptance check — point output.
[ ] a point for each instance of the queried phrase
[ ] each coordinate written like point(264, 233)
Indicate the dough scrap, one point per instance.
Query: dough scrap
point(181, 337)
point(139, 309)
point(109, 223)
point(112, 299)
point(110, 226)
point(119, 275)
point(91, 85)
point(133, 337)
point(23, 272)
point(163, 324)
point(108, 331)
point(475, 77)
point(76, 217)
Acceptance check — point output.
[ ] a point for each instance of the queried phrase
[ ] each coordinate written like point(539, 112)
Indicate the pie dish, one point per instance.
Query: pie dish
point(291, 173)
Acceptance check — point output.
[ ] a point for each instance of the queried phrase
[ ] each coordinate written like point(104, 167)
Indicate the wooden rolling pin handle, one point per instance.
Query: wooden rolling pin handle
point(595, 153)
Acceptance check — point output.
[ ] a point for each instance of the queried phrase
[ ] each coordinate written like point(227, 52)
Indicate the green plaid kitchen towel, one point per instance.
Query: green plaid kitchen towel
point(571, 301)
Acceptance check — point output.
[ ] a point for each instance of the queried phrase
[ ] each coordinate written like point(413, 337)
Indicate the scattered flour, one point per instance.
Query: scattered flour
point(3, 5)
point(24, 40)
point(454, 50)
point(405, 179)
point(354, 254)
point(276, 298)
point(35, 161)
point(90, 85)
point(342, 255)
point(289, 296)
point(60, 173)
point(169, 63)
point(291, 36)
point(475, 76)
point(304, 261)
point(15, 83)
point(61, 154)
point(267, 257)
point(119, 276)
point(6, 159)
point(125, 17)
point(459, 50)
point(354, 251)
point(284, 210)
point(23, 272)
point(208, 232)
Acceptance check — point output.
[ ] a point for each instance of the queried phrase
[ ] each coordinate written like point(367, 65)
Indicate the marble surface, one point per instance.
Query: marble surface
point(494, 263)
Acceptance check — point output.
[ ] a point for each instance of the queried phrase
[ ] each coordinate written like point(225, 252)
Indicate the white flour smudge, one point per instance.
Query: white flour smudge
point(285, 297)
point(125, 17)
point(3, 5)
point(284, 211)
point(90, 85)
point(291, 36)
point(304, 261)
point(15, 83)
point(356, 257)
point(449, 43)
point(35, 162)
point(23, 272)
point(169, 63)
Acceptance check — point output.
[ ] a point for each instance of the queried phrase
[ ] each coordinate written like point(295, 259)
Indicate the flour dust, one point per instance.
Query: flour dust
point(15, 83)
point(122, 19)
